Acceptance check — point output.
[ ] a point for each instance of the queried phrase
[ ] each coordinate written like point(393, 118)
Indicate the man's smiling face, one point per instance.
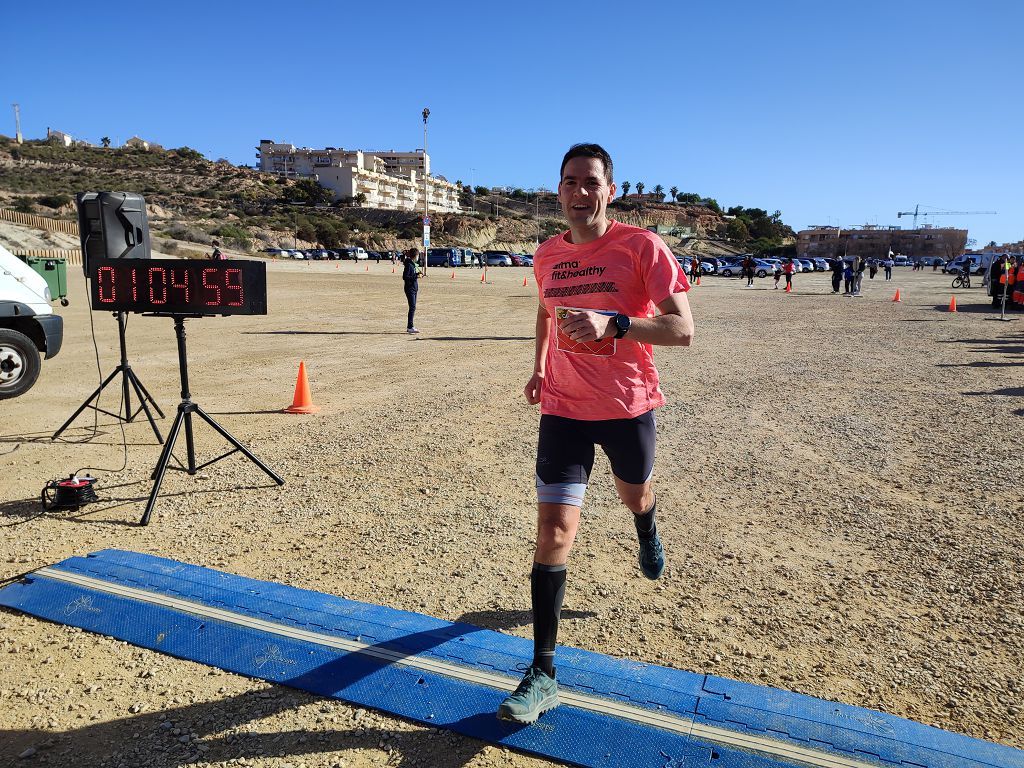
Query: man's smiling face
point(584, 191)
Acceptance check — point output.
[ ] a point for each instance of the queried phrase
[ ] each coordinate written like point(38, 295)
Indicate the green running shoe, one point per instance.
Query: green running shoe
point(652, 557)
point(536, 694)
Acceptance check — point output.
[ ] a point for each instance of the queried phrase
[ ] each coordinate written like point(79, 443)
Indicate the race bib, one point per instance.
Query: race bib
point(600, 347)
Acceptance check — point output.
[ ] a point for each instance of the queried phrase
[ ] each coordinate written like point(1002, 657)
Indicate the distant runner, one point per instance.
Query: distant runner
point(594, 377)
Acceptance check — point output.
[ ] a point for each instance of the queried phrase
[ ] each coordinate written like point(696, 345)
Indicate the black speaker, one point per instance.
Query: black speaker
point(112, 225)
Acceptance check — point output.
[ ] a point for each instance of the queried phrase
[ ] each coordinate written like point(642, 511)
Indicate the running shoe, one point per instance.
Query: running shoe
point(412, 330)
point(652, 557)
point(534, 696)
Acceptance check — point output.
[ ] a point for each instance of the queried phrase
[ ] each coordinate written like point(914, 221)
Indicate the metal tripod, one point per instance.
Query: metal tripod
point(185, 410)
point(128, 376)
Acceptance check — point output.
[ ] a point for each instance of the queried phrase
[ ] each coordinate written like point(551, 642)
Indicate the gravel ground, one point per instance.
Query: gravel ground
point(836, 482)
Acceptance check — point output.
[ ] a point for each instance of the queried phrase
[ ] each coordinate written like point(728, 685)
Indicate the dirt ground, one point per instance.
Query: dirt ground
point(838, 483)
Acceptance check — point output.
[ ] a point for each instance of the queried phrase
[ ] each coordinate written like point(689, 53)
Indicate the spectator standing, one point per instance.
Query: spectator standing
point(837, 274)
point(777, 275)
point(411, 278)
point(847, 277)
point(888, 264)
point(872, 269)
point(748, 270)
point(788, 269)
point(217, 254)
point(859, 266)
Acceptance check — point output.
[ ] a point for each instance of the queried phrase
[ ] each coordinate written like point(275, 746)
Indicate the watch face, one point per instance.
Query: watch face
point(623, 322)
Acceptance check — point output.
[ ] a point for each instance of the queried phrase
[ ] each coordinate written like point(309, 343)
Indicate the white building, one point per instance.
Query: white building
point(388, 179)
point(137, 142)
point(59, 137)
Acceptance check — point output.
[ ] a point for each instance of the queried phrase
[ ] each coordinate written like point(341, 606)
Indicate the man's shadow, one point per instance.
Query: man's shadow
point(91, 743)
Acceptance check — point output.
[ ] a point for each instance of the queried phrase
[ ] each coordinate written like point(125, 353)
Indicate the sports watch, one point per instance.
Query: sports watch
point(622, 324)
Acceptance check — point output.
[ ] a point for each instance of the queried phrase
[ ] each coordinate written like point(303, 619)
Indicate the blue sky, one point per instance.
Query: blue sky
point(840, 113)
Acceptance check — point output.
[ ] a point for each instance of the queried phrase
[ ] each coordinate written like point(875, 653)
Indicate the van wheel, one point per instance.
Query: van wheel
point(19, 363)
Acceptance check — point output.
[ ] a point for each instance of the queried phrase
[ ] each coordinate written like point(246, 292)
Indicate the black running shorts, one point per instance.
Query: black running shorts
point(565, 454)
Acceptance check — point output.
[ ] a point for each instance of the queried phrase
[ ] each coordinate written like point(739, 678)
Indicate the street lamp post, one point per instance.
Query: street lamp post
point(426, 207)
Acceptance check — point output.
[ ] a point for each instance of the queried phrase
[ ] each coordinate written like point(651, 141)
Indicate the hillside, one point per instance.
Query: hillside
point(194, 200)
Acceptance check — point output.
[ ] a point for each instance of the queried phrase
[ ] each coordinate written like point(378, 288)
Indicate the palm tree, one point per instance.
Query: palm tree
point(105, 141)
point(659, 191)
point(625, 188)
point(674, 191)
point(639, 188)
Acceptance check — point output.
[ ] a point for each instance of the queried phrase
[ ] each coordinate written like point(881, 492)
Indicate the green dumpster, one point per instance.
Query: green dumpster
point(55, 271)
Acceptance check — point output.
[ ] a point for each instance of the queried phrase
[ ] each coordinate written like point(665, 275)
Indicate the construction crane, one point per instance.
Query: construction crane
point(917, 212)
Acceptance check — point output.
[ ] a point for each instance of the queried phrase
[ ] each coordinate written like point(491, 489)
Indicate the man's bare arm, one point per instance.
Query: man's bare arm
point(533, 386)
point(672, 328)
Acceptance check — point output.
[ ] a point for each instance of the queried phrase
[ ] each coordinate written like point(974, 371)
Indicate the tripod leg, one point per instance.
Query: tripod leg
point(190, 444)
point(85, 405)
point(140, 390)
point(231, 439)
point(168, 449)
point(148, 396)
point(161, 466)
point(126, 393)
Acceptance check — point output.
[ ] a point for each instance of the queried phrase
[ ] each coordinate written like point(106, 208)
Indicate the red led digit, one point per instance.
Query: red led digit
point(183, 284)
point(135, 284)
point(163, 285)
point(108, 296)
point(237, 274)
point(211, 287)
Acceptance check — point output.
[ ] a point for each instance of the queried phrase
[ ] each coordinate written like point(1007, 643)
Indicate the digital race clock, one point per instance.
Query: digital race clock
point(179, 287)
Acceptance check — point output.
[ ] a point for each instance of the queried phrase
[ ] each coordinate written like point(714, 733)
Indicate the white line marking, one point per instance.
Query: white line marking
point(675, 723)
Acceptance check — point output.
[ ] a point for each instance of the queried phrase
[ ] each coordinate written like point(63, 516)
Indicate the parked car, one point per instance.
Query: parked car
point(498, 258)
point(517, 260)
point(527, 259)
point(354, 253)
point(821, 265)
point(808, 265)
point(444, 257)
point(900, 261)
point(375, 255)
point(470, 257)
point(728, 268)
point(296, 254)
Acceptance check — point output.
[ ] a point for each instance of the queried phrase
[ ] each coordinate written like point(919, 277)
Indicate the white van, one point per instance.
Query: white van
point(980, 263)
point(28, 325)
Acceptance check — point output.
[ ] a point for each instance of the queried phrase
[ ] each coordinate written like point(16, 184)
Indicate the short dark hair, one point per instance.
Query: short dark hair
point(588, 150)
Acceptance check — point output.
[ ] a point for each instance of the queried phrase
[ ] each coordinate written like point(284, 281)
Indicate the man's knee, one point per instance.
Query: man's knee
point(637, 498)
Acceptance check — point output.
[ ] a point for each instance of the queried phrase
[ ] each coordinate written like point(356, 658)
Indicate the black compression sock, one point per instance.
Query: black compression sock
point(646, 528)
point(547, 589)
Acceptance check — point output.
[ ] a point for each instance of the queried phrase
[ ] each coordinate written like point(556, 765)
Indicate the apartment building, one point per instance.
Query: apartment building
point(388, 179)
point(872, 241)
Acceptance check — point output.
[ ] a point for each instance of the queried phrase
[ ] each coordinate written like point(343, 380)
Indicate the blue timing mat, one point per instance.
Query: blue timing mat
point(614, 714)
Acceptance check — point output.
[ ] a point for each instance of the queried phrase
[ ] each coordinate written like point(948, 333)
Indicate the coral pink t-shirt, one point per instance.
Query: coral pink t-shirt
point(627, 270)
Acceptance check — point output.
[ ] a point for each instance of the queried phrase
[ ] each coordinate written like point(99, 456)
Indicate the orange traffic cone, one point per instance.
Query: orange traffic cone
point(392, 270)
point(483, 277)
point(524, 281)
point(698, 279)
point(337, 266)
point(789, 287)
point(952, 303)
point(367, 267)
point(453, 274)
point(897, 296)
point(302, 402)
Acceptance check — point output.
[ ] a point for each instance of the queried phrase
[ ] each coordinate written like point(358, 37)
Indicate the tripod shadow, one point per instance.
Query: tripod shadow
point(215, 722)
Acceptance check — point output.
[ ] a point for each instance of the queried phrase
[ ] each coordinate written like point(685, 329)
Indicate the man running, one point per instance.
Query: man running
point(594, 377)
